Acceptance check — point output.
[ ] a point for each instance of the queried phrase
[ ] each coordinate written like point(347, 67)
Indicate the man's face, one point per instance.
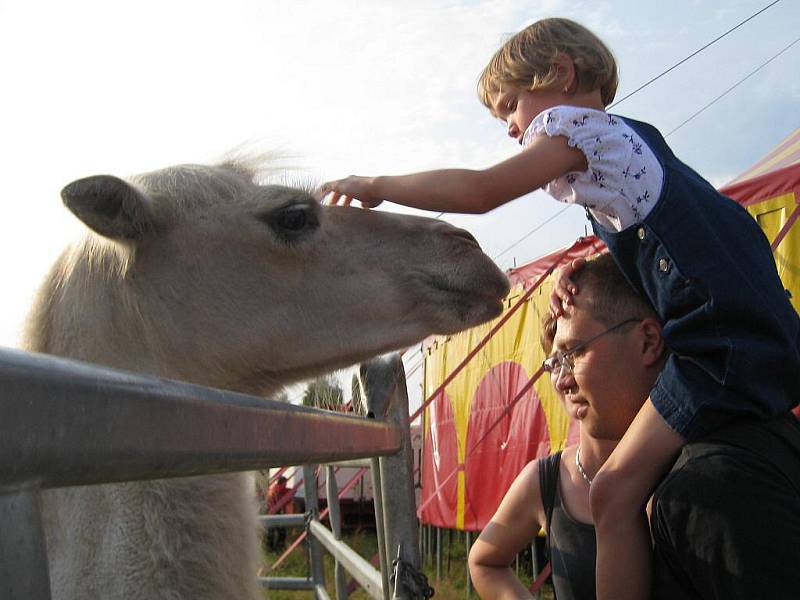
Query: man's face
point(604, 389)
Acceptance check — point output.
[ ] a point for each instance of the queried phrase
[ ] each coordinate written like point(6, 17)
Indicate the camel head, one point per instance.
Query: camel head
point(230, 283)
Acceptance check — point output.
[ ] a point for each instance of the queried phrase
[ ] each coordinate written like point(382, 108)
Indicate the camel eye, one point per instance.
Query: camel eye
point(292, 221)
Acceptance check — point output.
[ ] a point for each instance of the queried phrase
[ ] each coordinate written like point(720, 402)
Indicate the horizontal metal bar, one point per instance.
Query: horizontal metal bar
point(362, 571)
point(65, 422)
point(282, 520)
point(321, 593)
point(355, 463)
point(286, 583)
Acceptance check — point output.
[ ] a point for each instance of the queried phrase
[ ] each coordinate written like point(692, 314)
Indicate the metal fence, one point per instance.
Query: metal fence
point(63, 423)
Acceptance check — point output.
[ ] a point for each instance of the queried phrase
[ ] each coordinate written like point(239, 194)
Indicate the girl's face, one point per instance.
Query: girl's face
point(518, 107)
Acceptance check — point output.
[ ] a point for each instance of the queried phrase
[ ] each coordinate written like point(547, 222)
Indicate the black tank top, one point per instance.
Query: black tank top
point(571, 544)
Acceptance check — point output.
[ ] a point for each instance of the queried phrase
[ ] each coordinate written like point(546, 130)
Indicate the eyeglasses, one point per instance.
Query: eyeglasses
point(561, 362)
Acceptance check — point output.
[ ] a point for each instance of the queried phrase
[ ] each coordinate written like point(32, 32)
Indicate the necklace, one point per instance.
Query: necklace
point(580, 466)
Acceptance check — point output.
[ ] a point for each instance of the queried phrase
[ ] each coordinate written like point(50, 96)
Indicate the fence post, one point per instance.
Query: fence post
point(535, 568)
point(24, 572)
point(312, 508)
point(438, 553)
point(336, 527)
point(387, 397)
point(380, 526)
point(468, 538)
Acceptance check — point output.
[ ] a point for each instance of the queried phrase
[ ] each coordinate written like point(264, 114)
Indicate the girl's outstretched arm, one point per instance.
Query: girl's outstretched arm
point(465, 190)
point(618, 496)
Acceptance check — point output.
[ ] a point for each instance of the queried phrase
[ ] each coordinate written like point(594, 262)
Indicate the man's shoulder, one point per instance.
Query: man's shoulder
point(702, 469)
point(731, 457)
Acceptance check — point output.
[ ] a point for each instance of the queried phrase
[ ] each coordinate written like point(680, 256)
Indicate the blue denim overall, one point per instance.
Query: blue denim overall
point(707, 268)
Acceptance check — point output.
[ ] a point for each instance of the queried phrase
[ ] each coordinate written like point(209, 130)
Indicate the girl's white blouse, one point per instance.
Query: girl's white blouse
point(624, 178)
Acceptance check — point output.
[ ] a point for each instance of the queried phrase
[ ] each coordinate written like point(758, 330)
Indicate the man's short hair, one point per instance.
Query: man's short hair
point(607, 296)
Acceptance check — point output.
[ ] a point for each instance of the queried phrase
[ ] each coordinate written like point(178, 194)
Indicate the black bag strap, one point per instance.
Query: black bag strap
point(548, 486)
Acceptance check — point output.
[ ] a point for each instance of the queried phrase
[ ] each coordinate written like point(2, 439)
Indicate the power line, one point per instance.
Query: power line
point(734, 86)
point(531, 232)
point(695, 53)
point(641, 87)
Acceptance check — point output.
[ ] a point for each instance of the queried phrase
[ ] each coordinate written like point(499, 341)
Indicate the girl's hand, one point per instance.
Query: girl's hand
point(344, 191)
point(564, 288)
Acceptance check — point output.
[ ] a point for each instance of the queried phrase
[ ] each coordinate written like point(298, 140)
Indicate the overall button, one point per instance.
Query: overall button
point(641, 233)
point(663, 265)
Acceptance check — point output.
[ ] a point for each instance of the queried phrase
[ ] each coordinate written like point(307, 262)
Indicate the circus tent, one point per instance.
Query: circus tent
point(494, 416)
point(770, 190)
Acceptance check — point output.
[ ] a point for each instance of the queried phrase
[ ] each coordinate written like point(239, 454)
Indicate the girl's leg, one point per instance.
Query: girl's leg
point(618, 497)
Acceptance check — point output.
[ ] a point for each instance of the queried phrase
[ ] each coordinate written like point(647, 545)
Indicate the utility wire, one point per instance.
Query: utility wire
point(641, 87)
point(733, 87)
point(532, 231)
point(695, 53)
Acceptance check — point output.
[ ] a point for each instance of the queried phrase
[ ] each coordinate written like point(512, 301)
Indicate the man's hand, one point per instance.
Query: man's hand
point(564, 288)
point(344, 191)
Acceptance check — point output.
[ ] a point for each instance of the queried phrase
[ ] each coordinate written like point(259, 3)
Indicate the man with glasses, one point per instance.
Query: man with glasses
point(725, 520)
point(603, 358)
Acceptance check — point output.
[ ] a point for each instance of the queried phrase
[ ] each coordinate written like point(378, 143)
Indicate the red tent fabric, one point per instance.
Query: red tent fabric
point(466, 414)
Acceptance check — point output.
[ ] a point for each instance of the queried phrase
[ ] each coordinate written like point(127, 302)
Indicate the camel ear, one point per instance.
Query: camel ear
point(110, 206)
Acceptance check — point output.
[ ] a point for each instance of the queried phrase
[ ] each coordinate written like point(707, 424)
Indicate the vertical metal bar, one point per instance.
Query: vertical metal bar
point(24, 572)
point(397, 471)
point(438, 553)
point(426, 545)
point(429, 561)
point(380, 526)
point(449, 548)
point(535, 567)
point(336, 527)
point(423, 542)
point(468, 538)
point(312, 506)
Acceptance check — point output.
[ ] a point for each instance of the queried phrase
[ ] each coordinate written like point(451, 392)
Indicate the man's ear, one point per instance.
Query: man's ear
point(110, 206)
point(652, 344)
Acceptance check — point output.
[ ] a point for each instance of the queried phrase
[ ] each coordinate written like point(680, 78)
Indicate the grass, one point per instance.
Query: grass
point(451, 586)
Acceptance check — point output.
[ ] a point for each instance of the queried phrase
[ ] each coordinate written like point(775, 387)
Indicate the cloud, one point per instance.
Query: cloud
point(345, 87)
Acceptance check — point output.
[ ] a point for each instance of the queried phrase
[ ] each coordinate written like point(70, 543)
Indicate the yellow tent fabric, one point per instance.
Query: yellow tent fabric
point(471, 402)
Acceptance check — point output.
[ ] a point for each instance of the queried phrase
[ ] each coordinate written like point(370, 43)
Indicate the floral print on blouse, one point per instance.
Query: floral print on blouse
point(624, 178)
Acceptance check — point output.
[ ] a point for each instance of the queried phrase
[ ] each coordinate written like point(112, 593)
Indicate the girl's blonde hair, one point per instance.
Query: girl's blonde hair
point(529, 61)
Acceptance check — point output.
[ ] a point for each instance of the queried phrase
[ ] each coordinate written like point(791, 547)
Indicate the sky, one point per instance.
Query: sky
point(347, 87)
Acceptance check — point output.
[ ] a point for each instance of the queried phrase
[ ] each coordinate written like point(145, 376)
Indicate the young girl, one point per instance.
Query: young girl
point(699, 258)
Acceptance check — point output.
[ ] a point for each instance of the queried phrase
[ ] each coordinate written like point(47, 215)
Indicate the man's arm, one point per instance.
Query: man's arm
point(516, 522)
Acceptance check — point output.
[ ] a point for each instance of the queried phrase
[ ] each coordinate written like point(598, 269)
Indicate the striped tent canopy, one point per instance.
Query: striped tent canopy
point(770, 190)
point(487, 423)
point(775, 174)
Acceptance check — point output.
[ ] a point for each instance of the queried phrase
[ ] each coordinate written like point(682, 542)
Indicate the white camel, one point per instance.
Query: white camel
point(202, 274)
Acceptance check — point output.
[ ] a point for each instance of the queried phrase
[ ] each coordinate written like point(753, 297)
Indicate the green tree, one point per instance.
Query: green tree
point(324, 392)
